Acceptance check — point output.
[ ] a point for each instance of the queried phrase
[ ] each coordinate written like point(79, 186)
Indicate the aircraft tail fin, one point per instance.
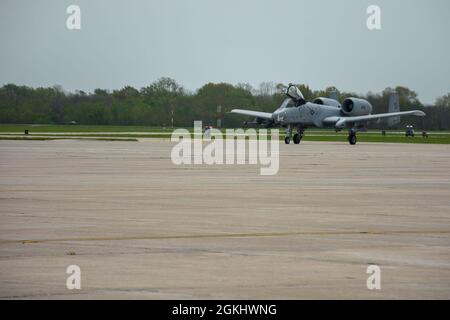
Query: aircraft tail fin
point(394, 106)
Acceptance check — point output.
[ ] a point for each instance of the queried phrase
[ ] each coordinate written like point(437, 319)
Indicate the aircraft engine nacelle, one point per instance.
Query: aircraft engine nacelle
point(356, 107)
point(327, 102)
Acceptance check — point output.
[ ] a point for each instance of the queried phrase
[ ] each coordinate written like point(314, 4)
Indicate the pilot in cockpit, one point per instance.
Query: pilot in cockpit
point(295, 94)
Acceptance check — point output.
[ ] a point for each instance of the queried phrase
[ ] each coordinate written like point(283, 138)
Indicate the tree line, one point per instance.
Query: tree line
point(155, 104)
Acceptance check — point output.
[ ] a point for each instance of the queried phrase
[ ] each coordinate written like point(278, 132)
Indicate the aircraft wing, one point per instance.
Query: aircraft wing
point(257, 114)
point(342, 121)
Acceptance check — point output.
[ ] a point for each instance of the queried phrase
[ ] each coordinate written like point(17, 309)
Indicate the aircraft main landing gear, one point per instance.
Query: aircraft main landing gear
point(299, 135)
point(297, 138)
point(352, 137)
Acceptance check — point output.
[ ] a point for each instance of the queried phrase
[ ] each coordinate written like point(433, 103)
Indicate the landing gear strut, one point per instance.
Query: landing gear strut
point(351, 136)
point(298, 136)
point(287, 140)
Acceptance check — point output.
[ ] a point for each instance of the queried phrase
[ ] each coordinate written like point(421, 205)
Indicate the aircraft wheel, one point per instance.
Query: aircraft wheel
point(297, 138)
point(287, 140)
point(352, 139)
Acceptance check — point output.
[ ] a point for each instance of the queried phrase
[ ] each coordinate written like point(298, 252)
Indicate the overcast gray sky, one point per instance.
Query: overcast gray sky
point(319, 43)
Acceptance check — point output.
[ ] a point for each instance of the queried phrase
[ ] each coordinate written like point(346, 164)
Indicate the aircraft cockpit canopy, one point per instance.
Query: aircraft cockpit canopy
point(295, 94)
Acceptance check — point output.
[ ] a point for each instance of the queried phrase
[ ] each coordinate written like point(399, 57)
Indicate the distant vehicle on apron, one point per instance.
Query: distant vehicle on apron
point(409, 132)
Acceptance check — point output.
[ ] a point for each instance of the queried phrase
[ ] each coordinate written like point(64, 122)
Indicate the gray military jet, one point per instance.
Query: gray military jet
point(296, 113)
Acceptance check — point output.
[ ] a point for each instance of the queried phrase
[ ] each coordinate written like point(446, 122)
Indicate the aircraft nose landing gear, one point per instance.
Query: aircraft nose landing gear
point(296, 138)
point(287, 140)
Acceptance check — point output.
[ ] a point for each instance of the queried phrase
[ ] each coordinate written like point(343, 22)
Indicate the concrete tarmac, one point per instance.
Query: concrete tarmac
point(140, 227)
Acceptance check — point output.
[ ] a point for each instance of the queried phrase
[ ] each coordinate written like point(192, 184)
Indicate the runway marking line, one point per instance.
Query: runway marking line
point(227, 235)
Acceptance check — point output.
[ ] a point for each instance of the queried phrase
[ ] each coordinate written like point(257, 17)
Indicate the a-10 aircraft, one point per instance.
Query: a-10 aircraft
point(296, 113)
